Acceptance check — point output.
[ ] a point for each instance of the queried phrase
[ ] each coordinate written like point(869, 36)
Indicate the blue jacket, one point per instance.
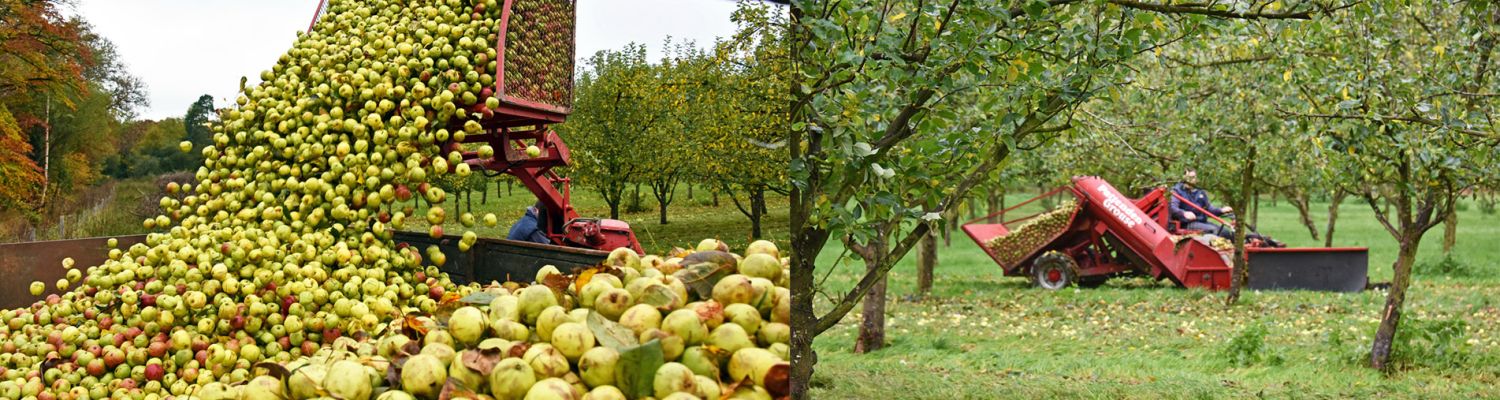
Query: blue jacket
point(528, 229)
point(1196, 196)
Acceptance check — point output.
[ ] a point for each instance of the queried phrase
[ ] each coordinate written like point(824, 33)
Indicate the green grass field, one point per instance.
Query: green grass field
point(984, 335)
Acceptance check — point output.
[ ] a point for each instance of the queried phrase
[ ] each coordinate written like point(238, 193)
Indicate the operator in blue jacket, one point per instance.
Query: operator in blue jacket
point(529, 227)
point(1190, 218)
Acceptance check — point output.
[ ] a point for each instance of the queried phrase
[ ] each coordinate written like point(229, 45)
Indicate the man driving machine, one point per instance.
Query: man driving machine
point(1190, 219)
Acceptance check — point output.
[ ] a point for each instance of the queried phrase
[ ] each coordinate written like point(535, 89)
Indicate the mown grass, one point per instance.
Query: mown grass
point(983, 335)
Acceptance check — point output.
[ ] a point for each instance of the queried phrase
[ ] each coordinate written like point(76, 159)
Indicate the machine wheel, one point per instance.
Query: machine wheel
point(1053, 270)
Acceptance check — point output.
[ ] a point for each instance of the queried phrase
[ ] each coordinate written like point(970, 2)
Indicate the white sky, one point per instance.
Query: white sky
point(183, 49)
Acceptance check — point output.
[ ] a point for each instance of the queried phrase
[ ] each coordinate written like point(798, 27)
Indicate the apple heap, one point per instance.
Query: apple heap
point(283, 244)
point(707, 324)
point(1032, 234)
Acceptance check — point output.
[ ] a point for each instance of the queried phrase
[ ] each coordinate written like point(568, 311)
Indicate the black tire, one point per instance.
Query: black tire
point(1054, 270)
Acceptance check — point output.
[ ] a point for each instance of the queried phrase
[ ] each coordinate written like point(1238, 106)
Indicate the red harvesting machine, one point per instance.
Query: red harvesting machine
point(535, 93)
point(1105, 234)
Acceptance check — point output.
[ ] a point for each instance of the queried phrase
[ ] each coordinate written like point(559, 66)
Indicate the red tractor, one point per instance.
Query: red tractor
point(1105, 234)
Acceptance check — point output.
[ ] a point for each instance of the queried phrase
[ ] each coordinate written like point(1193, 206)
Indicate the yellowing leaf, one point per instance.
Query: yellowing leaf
point(898, 16)
point(583, 279)
point(1439, 49)
point(1287, 76)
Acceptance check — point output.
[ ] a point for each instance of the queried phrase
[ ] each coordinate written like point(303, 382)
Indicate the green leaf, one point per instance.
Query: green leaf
point(659, 296)
point(611, 334)
point(479, 298)
point(704, 269)
point(637, 369)
point(1035, 8)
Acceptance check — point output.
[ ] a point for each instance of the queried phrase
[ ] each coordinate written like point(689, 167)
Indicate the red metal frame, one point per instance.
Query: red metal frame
point(513, 126)
point(1111, 234)
point(317, 14)
point(535, 111)
point(1306, 249)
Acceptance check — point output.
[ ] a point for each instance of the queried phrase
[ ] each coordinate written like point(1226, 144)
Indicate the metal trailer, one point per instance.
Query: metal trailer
point(1108, 234)
point(488, 260)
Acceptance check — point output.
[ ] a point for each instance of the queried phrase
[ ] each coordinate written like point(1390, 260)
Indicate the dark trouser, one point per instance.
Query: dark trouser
point(1210, 228)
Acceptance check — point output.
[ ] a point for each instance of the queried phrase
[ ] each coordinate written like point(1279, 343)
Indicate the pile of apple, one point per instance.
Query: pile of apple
point(283, 244)
point(633, 328)
point(538, 53)
point(1032, 234)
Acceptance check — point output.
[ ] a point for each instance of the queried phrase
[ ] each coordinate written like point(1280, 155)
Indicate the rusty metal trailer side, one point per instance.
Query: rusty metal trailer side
point(489, 260)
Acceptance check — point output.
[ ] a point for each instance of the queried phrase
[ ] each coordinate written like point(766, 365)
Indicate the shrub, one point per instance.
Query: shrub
point(1448, 266)
point(1431, 343)
point(1249, 348)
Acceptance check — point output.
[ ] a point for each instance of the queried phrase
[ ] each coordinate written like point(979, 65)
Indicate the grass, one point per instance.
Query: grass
point(107, 209)
point(984, 335)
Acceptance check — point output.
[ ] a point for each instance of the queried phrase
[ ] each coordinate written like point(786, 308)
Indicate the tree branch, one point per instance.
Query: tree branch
point(1202, 9)
point(1380, 214)
point(1390, 118)
point(1219, 63)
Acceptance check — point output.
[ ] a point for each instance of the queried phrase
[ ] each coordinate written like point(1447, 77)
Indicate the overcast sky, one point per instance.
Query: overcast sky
point(183, 49)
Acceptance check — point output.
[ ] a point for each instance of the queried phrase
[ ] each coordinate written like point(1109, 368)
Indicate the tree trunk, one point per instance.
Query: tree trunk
point(614, 209)
point(1333, 216)
point(510, 188)
point(926, 263)
point(1385, 335)
point(1255, 214)
point(690, 191)
point(1300, 201)
point(1450, 231)
point(1247, 192)
point(46, 155)
point(757, 210)
point(662, 207)
point(716, 198)
point(803, 358)
point(994, 206)
point(872, 321)
point(1002, 203)
point(761, 194)
point(635, 199)
point(484, 195)
point(974, 211)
